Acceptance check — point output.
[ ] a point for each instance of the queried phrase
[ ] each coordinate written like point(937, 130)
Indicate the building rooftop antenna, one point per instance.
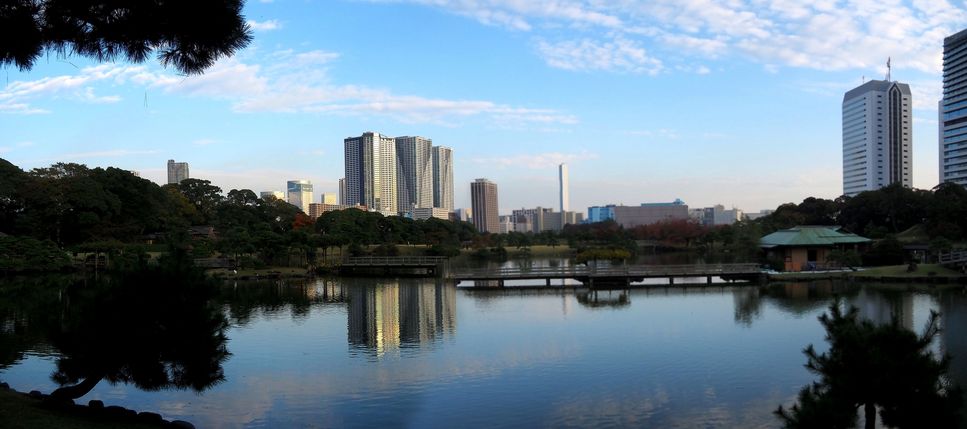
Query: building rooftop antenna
point(888, 69)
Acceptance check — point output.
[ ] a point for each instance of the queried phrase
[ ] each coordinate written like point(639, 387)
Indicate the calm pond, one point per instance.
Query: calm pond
point(424, 353)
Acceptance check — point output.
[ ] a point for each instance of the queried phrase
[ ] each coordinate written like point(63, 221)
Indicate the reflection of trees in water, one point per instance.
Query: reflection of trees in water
point(800, 298)
point(154, 328)
point(604, 299)
point(27, 305)
point(242, 300)
point(388, 315)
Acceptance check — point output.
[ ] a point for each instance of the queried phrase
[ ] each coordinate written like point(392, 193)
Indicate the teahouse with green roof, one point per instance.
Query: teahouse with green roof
point(807, 247)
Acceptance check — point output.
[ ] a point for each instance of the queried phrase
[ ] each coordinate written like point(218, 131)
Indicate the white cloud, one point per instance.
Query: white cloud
point(823, 34)
point(621, 55)
point(269, 25)
point(294, 82)
point(535, 161)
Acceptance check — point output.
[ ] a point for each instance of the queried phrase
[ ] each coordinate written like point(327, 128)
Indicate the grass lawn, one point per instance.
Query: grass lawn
point(19, 411)
point(923, 270)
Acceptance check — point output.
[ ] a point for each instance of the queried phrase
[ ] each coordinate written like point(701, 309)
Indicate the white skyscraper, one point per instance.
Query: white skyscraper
point(177, 171)
point(442, 177)
point(415, 174)
point(877, 130)
point(953, 111)
point(299, 194)
point(565, 194)
point(371, 167)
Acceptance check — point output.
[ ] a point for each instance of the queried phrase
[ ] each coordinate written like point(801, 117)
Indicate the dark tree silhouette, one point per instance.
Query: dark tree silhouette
point(869, 366)
point(189, 35)
point(156, 328)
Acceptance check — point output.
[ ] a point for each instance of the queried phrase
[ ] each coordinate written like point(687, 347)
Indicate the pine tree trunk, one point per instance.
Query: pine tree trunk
point(870, 415)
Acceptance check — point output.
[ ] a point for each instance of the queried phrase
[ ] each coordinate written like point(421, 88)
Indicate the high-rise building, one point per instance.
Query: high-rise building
point(483, 198)
point(177, 171)
point(442, 177)
point(370, 161)
point(415, 174)
point(649, 213)
point(600, 213)
point(565, 194)
point(877, 135)
point(265, 195)
point(299, 194)
point(953, 110)
point(342, 191)
point(328, 198)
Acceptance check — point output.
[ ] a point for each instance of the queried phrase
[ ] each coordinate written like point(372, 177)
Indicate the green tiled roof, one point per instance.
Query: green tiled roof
point(811, 236)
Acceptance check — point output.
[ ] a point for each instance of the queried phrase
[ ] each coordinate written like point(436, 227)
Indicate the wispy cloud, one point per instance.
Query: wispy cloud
point(269, 25)
point(114, 153)
point(824, 35)
point(621, 55)
point(536, 161)
point(295, 82)
point(205, 142)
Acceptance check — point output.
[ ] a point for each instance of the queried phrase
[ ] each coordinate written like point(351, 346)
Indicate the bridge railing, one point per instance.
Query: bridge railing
point(393, 261)
point(611, 271)
point(953, 257)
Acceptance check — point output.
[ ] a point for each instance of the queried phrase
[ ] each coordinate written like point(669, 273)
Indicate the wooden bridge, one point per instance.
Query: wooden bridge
point(612, 276)
point(956, 258)
point(400, 265)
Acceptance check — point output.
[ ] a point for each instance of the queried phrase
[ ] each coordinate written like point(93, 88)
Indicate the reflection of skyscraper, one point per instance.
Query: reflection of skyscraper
point(953, 313)
point(385, 317)
point(879, 307)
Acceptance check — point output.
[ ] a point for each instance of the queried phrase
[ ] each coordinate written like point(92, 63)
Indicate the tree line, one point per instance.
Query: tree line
point(71, 206)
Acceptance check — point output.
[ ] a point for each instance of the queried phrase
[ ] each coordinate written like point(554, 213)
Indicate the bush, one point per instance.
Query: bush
point(888, 251)
point(442, 250)
point(28, 254)
point(386, 250)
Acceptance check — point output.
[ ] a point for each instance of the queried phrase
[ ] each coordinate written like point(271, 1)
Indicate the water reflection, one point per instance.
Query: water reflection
point(400, 313)
point(154, 329)
point(604, 299)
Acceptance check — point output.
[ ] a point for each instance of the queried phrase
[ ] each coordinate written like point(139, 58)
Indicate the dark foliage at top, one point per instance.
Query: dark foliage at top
point(188, 35)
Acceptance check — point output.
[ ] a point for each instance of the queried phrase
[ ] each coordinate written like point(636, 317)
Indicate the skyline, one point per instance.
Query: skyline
point(698, 102)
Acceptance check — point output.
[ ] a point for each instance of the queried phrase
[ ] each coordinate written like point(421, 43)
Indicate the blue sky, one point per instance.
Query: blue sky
point(734, 102)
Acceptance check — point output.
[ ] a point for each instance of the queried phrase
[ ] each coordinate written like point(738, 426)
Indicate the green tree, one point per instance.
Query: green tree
point(190, 36)
point(203, 195)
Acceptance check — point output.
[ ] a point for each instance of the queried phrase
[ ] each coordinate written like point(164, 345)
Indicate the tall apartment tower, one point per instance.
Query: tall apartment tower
point(177, 171)
point(371, 172)
point(415, 174)
point(299, 194)
point(877, 135)
point(565, 194)
point(342, 191)
point(483, 197)
point(953, 111)
point(442, 177)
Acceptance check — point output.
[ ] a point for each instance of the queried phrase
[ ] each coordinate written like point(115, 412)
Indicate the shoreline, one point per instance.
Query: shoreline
point(35, 409)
